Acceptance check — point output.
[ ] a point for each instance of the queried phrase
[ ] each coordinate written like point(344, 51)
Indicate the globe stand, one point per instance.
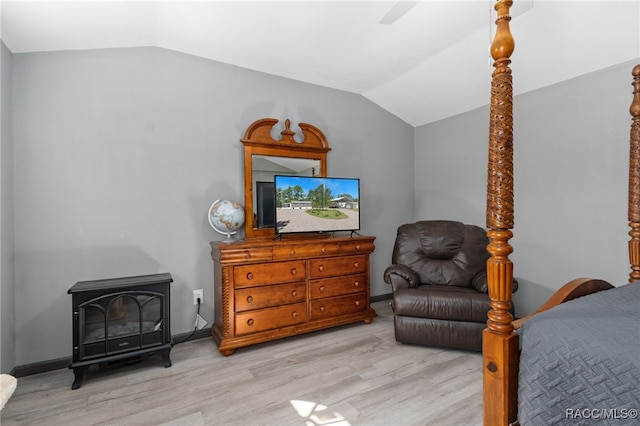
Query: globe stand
point(228, 239)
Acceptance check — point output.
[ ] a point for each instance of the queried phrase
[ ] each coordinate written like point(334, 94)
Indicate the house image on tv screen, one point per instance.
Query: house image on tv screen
point(316, 204)
point(298, 204)
point(344, 203)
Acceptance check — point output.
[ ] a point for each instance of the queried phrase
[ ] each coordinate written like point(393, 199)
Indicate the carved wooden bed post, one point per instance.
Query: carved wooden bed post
point(634, 179)
point(499, 340)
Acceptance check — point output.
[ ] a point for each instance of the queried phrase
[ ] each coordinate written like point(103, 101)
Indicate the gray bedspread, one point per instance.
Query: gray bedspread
point(580, 361)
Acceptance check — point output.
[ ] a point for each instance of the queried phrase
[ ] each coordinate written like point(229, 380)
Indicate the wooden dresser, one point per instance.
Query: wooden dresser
point(266, 290)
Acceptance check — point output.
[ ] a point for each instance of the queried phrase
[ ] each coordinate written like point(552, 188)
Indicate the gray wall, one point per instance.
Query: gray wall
point(451, 168)
point(120, 152)
point(7, 286)
point(571, 144)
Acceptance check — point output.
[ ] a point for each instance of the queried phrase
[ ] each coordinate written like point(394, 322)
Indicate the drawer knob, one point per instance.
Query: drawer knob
point(322, 308)
point(356, 284)
point(321, 268)
point(294, 271)
point(294, 314)
point(249, 276)
point(357, 303)
point(294, 293)
point(250, 299)
point(293, 252)
point(247, 256)
point(356, 264)
point(321, 289)
point(250, 322)
point(358, 247)
point(324, 250)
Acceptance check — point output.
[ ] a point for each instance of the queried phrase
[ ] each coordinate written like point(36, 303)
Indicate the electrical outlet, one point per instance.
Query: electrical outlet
point(198, 294)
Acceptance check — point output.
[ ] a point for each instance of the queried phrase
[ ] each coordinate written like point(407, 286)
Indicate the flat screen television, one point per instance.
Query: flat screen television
point(316, 204)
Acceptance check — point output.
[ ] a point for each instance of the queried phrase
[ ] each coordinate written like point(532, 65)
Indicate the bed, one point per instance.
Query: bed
point(576, 359)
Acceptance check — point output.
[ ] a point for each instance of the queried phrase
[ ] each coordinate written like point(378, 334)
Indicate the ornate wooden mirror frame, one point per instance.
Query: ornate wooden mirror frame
point(257, 141)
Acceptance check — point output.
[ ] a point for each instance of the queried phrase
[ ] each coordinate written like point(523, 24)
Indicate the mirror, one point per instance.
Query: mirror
point(264, 168)
point(265, 157)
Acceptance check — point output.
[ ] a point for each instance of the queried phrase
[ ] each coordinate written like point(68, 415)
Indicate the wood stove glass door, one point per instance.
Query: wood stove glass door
point(121, 322)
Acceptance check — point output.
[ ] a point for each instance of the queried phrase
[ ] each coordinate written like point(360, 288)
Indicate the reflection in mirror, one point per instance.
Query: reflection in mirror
point(264, 167)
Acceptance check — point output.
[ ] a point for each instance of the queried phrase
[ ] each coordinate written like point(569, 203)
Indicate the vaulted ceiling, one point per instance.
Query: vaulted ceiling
point(424, 62)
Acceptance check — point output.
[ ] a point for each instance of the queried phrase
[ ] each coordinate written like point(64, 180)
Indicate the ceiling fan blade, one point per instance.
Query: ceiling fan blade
point(397, 11)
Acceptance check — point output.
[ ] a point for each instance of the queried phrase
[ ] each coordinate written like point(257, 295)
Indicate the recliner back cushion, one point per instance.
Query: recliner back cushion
point(441, 251)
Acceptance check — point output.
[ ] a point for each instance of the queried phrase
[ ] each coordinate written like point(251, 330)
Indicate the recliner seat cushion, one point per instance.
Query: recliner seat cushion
point(442, 302)
point(442, 252)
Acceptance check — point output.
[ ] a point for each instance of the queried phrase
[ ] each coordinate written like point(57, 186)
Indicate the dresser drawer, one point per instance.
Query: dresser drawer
point(268, 273)
point(305, 251)
point(270, 318)
point(262, 254)
point(334, 306)
point(356, 246)
point(336, 286)
point(267, 296)
point(330, 267)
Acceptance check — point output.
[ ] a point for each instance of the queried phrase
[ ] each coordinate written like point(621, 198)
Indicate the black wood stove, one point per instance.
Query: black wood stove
point(120, 318)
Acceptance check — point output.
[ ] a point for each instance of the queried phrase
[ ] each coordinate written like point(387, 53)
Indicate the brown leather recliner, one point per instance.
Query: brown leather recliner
point(439, 281)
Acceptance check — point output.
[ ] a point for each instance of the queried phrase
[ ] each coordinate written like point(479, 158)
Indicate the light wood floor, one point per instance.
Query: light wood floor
point(358, 372)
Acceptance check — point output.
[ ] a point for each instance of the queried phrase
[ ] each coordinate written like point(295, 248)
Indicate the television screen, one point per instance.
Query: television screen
point(316, 204)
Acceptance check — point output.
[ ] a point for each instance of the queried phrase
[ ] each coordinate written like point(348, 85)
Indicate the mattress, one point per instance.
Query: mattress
point(580, 361)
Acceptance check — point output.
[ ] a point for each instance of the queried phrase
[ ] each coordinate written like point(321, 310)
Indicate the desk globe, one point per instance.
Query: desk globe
point(226, 217)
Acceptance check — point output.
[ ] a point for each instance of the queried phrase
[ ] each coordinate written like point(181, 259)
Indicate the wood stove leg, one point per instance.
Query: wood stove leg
point(78, 375)
point(165, 358)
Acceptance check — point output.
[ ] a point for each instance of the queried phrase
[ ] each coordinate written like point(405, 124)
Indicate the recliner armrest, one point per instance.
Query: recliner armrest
point(480, 283)
point(400, 276)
